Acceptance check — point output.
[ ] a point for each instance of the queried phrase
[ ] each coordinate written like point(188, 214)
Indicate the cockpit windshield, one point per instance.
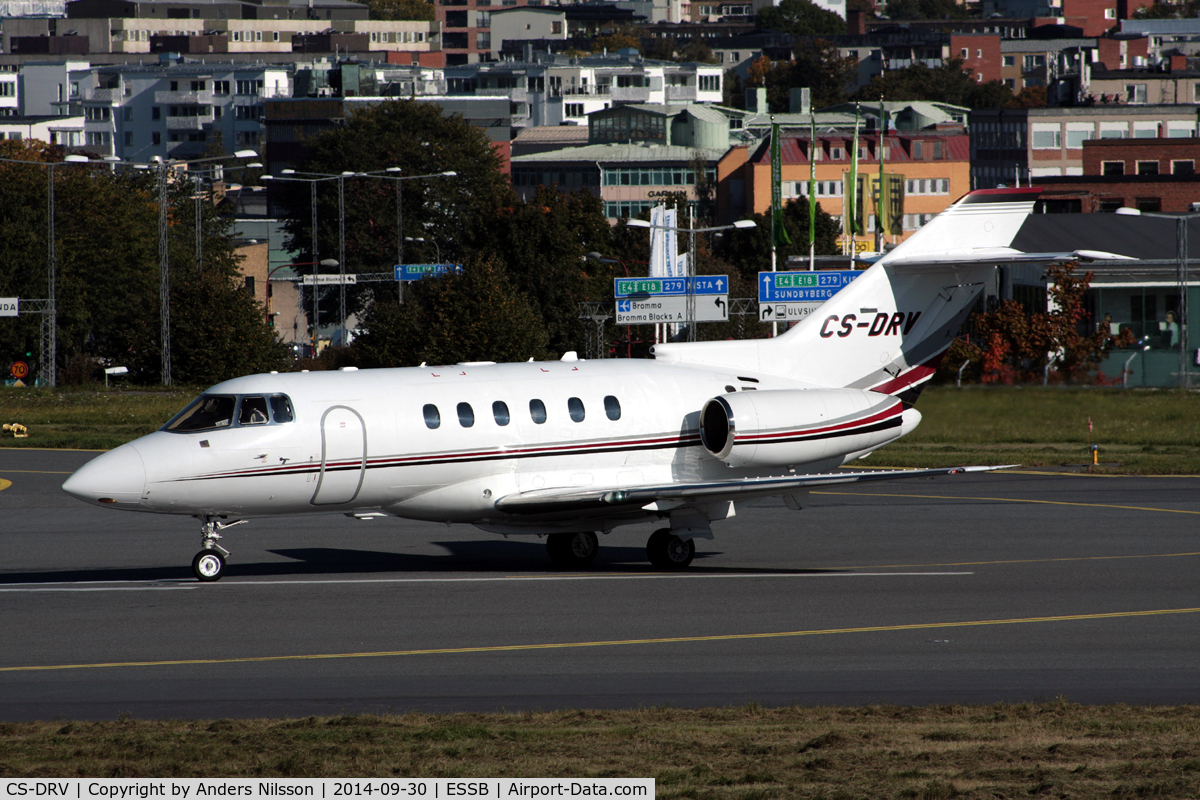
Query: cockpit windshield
point(210, 412)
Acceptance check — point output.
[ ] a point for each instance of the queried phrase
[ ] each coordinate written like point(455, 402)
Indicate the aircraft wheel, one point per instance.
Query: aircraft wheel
point(208, 565)
point(667, 551)
point(572, 550)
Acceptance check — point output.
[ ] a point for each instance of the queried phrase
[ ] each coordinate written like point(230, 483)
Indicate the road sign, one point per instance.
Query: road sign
point(670, 287)
point(650, 310)
point(324, 280)
point(415, 272)
point(10, 306)
point(785, 312)
point(20, 370)
point(802, 287)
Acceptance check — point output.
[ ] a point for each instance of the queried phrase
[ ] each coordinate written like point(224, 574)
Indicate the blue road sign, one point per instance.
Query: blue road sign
point(802, 287)
point(658, 287)
point(414, 272)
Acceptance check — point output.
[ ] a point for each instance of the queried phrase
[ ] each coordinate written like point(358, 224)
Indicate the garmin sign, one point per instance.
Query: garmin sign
point(10, 306)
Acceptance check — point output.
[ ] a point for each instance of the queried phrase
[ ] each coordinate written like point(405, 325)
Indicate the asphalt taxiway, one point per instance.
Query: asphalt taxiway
point(970, 588)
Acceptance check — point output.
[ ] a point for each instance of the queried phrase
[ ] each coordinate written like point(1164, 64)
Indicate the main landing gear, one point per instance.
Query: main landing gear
point(668, 552)
point(209, 563)
point(572, 550)
point(665, 550)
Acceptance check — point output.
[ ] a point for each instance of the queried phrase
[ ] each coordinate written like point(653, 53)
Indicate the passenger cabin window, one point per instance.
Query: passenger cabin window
point(500, 412)
point(537, 411)
point(612, 407)
point(281, 408)
point(466, 416)
point(575, 408)
point(253, 411)
point(433, 418)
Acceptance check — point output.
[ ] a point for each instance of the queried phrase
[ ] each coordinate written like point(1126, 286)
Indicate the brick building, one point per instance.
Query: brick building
point(1146, 174)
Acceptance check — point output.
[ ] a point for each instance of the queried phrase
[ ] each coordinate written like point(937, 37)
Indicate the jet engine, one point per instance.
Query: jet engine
point(794, 426)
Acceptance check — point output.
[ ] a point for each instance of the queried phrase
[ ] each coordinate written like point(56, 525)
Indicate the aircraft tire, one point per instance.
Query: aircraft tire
point(208, 565)
point(572, 550)
point(667, 551)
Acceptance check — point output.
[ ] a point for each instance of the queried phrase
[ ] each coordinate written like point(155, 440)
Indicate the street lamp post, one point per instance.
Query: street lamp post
point(691, 230)
point(161, 168)
point(48, 357)
point(437, 248)
point(392, 174)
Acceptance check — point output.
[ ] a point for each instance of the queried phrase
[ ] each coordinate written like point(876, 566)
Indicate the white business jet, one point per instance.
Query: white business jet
point(569, 448)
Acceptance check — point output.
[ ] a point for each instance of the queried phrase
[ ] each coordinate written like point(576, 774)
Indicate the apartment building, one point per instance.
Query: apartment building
point(549, 89)
point(247, 39)
point(934, 168)
point(1013, 145)
point(174, 110)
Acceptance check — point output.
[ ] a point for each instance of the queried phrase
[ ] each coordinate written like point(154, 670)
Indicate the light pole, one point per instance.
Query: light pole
point(393, 174)
point(49, 346)
point(691, 230)
point(437, 248)
point(164, 273)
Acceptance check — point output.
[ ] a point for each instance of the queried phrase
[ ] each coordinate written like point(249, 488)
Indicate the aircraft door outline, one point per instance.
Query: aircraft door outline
point(339, 443)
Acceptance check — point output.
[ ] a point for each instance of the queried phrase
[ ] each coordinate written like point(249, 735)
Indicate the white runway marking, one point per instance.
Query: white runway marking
point(101, 586)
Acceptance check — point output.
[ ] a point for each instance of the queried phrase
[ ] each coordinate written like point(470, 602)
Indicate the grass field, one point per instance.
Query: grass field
point(1053, 749)
point(1142, 431)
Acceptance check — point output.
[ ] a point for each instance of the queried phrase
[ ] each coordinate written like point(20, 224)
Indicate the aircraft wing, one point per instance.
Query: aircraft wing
point(669, 496)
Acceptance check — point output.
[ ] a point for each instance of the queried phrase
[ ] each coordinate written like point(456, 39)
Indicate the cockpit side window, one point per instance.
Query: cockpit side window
point(253, 411)
point(281, 408)
point(206, 413)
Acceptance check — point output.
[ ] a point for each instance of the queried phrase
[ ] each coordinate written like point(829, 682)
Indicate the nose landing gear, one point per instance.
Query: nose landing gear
point(209, 563)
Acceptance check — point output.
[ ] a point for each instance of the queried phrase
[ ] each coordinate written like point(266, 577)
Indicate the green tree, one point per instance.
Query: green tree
point(542, 245)
point(925, 9)
point(815, 64)
point(950, 82)
point(479, 315)
point(454, 215)
point(107, 276)
point(799, 18)
point(418, 10)
point(613, 42)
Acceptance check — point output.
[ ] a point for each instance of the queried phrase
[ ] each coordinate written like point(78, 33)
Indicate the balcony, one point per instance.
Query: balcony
point(104, 95)
point(631, 94)
point(681, 93)
point(204, 98)
point(188, 123)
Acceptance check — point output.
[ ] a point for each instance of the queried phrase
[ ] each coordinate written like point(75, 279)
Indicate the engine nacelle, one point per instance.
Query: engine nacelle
point(795, 426)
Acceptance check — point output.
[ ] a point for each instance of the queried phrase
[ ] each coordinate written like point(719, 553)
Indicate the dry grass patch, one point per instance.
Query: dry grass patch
point(1053, 749)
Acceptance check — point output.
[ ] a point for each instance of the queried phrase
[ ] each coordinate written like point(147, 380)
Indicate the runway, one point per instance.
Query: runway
point(970, 588)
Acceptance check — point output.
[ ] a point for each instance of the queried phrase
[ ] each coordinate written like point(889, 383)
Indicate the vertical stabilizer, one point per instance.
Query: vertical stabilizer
point(889, 329)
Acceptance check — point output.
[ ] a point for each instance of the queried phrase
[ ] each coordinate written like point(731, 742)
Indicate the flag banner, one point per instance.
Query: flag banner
point(778, 230)
point(812, 181)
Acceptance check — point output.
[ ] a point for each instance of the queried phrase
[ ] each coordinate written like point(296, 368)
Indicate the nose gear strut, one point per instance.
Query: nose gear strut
point(209, 563)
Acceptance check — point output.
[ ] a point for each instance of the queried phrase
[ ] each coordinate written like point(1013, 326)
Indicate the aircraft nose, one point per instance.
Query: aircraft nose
point(116, 478)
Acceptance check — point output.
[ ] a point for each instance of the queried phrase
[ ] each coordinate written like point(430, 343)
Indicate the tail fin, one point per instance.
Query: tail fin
point(889, 329)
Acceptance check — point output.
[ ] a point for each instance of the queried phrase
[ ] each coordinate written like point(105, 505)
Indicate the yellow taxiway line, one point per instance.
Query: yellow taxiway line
point(730, 637)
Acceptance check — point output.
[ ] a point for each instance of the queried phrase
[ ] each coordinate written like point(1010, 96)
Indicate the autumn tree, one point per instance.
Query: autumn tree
point(1013, 345)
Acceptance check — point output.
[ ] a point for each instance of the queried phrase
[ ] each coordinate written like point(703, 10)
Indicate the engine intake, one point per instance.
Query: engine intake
point(795, 426)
